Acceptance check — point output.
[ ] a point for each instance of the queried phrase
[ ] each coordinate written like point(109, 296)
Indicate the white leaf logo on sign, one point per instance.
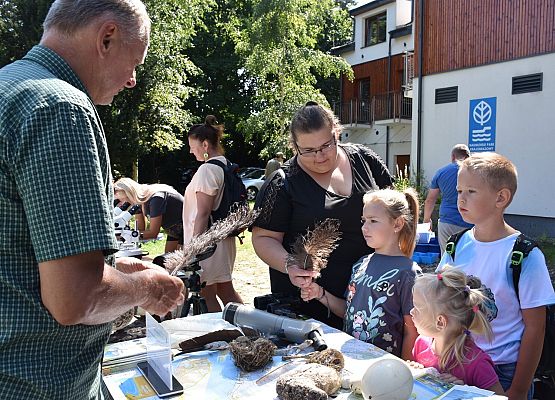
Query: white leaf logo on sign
point(482, 113)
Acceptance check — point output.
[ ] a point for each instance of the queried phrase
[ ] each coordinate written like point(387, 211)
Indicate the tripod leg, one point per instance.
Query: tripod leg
point(202, 305)
point(186, 308)
point(196, 306)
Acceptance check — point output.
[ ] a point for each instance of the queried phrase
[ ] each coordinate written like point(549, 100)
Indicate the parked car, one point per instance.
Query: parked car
point(253, 181)
point(246, 172)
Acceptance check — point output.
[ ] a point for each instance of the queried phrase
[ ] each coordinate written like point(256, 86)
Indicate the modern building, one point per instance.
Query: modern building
point(484, 75)
point(375, 108)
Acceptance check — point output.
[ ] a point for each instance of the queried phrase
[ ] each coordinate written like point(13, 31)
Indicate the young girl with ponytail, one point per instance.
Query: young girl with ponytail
point(379, 296)
point(448, 310)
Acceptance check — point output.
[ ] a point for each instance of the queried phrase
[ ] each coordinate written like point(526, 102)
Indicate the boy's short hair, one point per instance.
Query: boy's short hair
point(496, 170)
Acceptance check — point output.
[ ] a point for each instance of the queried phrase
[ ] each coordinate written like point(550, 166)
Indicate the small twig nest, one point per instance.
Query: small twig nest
point(251, 355)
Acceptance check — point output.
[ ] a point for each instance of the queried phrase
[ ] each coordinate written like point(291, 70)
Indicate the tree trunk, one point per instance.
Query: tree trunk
point(135, 170)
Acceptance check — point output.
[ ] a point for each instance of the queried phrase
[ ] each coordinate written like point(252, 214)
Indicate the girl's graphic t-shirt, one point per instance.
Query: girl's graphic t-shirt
point(378, 297)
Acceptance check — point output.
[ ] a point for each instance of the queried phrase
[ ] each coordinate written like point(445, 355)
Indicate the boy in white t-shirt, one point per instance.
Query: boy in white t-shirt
point(486, 186)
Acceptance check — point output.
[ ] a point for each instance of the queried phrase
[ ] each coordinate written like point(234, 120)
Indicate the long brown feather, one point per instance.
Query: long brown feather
point(311, 251)
point(237, 220)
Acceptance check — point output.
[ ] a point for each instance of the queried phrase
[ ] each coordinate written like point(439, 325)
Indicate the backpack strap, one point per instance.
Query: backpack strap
point(522, 247)
point(451, 245)
point(219, 163)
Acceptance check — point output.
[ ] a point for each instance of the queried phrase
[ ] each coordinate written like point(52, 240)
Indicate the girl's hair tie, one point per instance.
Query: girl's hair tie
point(439, 277)
point(475, 309)
point(466, 332)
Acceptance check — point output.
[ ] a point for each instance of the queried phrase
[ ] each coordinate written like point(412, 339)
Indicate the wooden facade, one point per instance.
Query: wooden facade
point(468, 33)
point(376, 71)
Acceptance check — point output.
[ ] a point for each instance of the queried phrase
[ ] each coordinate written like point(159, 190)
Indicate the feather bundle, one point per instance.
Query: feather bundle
point(311, 251)
point(238, 220)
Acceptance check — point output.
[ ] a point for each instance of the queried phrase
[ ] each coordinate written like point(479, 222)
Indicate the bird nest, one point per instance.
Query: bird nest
point(251, 355)
point(329, 357)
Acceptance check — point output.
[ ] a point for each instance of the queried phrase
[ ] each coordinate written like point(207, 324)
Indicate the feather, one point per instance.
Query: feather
point(237, 220)
point(311, 251)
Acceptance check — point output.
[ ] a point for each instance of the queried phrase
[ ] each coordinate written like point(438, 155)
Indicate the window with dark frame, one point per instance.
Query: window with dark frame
point(375, 29)
point(364, 100)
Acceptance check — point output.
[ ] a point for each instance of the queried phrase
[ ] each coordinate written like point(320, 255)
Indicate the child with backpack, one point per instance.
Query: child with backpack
point(447, 312)
point(486, 185)
point(379, 297)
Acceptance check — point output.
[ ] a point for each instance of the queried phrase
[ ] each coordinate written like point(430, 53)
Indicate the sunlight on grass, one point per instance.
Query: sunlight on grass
point(155, 247)
point(245, 251)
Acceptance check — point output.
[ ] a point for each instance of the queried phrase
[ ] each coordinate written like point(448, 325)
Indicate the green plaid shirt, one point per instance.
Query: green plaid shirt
point(55, 201)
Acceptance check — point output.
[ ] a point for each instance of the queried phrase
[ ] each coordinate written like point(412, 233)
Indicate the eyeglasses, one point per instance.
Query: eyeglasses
point(326, 148)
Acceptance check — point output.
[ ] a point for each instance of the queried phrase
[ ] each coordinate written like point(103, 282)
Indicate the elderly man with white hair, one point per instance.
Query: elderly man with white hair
point(59, 291)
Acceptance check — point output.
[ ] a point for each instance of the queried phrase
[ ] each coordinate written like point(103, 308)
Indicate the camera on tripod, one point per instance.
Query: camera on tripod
point(284, 304)
point(191, 279)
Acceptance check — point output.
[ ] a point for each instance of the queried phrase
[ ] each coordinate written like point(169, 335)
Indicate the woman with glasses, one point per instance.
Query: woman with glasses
point(325, 179)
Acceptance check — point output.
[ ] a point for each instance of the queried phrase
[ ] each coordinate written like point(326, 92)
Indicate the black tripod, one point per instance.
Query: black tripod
point(193, 283)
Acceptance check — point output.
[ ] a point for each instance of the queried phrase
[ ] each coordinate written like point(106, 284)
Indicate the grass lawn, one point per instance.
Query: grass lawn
point(154, 247)
point(548, 248)
point(245, 251)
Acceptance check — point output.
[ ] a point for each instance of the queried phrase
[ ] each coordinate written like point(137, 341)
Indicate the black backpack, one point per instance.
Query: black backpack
point(234, 192)
point(522, 247)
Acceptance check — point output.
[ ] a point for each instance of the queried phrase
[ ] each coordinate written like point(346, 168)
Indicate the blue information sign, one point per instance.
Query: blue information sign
point(481, 136)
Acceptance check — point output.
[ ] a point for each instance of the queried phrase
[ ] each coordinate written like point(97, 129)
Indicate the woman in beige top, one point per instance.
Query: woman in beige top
point(202, 196)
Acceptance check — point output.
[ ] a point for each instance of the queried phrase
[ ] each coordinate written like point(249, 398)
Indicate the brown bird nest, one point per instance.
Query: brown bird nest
point(250, 355)
point(329, 357)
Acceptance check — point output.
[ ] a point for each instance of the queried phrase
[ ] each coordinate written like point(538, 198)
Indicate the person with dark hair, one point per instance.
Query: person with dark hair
point(444, 182)
point(59, 289)
point(325, 179)
point(274, 164)
point(202, 196)
point(160, 203)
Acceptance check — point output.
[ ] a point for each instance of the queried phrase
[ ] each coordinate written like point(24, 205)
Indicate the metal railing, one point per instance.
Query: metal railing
point(392, 105)
point(354, 111)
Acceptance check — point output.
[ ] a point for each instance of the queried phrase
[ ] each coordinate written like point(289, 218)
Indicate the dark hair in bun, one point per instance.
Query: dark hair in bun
point(209, 131)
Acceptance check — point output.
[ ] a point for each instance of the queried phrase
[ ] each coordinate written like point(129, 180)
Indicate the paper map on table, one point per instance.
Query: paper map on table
point(213, 375)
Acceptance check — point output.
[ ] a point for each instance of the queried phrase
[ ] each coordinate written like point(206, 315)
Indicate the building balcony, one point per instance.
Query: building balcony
point(353, 112)
point(383, 109)
point(391, 108)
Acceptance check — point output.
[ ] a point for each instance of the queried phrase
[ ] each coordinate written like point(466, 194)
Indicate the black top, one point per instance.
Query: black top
point(167, 204)
point(296, 203)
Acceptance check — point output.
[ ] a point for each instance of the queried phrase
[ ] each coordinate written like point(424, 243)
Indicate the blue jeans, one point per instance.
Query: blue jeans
point(505, 372)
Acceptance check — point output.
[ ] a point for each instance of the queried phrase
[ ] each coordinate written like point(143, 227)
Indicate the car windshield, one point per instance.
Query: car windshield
point(254, 174)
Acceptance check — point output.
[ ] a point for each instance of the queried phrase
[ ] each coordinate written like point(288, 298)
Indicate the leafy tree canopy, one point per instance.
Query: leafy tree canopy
point(282, 58)
point(151, 117)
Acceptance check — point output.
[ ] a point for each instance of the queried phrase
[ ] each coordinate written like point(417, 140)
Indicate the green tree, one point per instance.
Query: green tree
point(282, 61)
point(222, 88)
point(151, 118)
point(20, 27)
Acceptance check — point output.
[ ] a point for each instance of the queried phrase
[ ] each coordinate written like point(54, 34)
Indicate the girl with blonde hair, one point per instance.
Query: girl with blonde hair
point(379, 297)
point(162, 204)
point(448, 309)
